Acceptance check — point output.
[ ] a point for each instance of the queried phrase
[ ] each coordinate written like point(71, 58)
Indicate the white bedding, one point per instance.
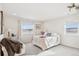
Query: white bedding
point(60, 50)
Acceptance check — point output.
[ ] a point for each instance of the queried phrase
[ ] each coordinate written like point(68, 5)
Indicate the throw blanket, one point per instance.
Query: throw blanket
point(1, 52)
point(11, 46)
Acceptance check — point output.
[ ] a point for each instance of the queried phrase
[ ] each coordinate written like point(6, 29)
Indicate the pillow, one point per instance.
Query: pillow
point(42, 33)
point(49, 34)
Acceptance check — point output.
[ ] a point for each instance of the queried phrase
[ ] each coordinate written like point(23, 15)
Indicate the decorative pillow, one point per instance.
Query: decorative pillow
point(49, 34)
point(42, 33)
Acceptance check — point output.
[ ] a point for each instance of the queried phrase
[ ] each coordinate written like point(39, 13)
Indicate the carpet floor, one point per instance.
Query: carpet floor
point(31, 49)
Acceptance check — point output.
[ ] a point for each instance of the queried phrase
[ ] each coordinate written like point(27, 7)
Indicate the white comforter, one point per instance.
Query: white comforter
point(60, 51)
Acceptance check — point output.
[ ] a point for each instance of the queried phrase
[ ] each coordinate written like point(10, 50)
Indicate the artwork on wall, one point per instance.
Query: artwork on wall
point(38, 29)
point(71, 27)
point(38, 26)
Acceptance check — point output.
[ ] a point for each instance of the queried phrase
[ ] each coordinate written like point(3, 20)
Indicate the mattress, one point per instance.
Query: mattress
point(60, 50)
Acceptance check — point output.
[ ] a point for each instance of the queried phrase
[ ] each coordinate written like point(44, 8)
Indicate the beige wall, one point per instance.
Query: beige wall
point(57, 25)
point(11, 24)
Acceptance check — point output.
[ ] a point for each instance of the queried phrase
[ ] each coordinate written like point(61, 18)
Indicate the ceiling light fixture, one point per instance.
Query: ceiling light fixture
point(73, 6)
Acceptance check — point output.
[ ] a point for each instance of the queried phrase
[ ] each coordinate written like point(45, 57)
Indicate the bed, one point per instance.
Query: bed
point(46, 42)
point(60, 50)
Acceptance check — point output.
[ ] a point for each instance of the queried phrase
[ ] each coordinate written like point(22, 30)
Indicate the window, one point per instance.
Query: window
point(71, 27)
point(27, 27)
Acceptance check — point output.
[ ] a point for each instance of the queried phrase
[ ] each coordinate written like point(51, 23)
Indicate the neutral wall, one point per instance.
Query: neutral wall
point(57, 25)
point(11, 25)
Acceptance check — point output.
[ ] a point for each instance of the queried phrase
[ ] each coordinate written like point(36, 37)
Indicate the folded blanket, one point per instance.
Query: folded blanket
point(11, 46)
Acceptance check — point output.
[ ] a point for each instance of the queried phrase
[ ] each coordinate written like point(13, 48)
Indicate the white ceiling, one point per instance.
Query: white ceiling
point(37, 11)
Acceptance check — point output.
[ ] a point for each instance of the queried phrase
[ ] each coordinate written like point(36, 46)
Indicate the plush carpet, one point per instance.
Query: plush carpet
point(31, 49)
